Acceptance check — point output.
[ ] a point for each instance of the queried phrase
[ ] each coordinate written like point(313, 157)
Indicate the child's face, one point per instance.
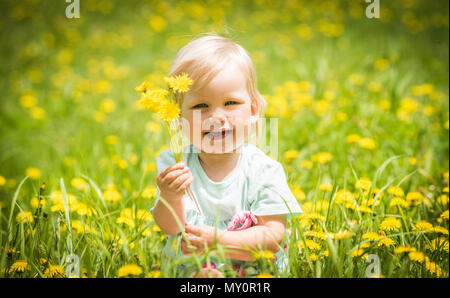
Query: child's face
point(220, 115)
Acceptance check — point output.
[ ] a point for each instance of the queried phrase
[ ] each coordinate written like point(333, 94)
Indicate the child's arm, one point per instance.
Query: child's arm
point(172, 182)
point(266, 235)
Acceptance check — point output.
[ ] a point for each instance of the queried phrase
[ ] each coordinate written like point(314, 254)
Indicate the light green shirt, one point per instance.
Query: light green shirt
point(257, 184)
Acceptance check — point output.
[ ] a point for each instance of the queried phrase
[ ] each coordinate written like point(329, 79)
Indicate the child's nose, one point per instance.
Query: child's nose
point(217, 116)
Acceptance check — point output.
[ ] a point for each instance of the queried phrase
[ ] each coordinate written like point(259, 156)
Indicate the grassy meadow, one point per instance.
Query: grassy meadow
point(363, 132)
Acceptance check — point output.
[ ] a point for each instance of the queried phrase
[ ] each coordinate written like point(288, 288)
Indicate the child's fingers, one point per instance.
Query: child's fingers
point(185, 185)
point(177, 182)
point(192, 229)
point(173, 175)
point(167, 170)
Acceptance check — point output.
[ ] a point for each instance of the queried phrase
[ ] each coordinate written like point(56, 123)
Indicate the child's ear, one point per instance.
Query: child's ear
point(254, 112)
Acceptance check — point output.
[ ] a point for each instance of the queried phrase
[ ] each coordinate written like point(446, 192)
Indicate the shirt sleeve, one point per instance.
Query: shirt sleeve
point(164, 159)
point(273, 195)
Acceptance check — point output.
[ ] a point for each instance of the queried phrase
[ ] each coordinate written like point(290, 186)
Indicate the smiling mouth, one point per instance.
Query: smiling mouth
point(217, 135)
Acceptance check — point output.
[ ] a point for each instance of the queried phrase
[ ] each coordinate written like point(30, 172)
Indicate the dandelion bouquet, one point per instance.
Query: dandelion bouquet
point(165, 103)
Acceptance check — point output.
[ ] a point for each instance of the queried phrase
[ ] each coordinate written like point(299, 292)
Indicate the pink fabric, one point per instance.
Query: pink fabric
point(245, 219)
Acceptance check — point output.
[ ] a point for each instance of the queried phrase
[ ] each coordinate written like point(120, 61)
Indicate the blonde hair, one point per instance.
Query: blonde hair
point(204, 57)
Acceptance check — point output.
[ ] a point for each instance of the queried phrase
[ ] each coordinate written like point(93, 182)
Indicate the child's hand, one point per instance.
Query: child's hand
point(174, 180)
point(200, 237)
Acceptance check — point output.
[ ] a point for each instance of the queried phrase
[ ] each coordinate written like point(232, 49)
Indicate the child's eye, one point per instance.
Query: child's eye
point(200, 106)
point(230, 102)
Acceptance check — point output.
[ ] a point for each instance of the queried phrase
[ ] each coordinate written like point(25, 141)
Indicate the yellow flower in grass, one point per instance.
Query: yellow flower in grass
point(149, 192)
point(344, 234)
point(35, 201)
point(423, 225)
point(443, 199)
point(310, 244)
point(440, 230)
point(79, 183)
point(20, 266)
point(153, 98)
point(396, 191)
point(363, 183)
point(25, 217)
point(417, 256)
point(444, 215)
point(153, 274)
point(404, 249)
point(129, 270)
point(168, 111)
point(414, 198)
point(386, 242)
point(306, 164)
point(111, 194)
point(367, 143)
point(179, 83)
point(438, 244)
point(322, 157)
point(352, 138)
point(390, 224)
point(265, 254)
point(34, 173)
point(290, 155)
point(325, 187)
point(265, 275)
point(371, 236)
point(142, 87)
point(434, 269)
point(397, 201)
point(315, 234)
point(54, 271)
point(298, 193)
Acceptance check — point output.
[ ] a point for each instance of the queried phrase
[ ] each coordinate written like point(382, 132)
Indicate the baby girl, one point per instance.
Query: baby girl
point(233, 181)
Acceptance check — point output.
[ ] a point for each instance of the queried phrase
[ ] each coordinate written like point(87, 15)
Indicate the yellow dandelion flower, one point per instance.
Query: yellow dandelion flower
point(179, 83)
point(444, 215)
point(79, 183)
point(153, 274)
point(434, 268)
point(265, 275)
point(443, 199)
point(390, 224)
point(343, 235)
point(265, 254)
point(386, 242)
point(396, 191)
point(20, 266)
point(315, 234)
point(25, 217)
point(414, 198)
point(290, 155)
point(423, 225)
point(353, 138)
point(417, 256)
point(322, 157)
point(371, 236)
point(367, 143)
point(152, 99)
point(404, 249)
point(381, 64)
point(54, 271)
point(111, 194)
point(397, 201)
point(440, 230)
point(129, 270)
point(298, 193)
point(325, 187)
point(306, 164)
point(149, 192)
point(310, 244)
point(33, 173)
point(363, 183)
point(35, 201)
point(142, 87)
point(168, 111)
point(438, 244)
